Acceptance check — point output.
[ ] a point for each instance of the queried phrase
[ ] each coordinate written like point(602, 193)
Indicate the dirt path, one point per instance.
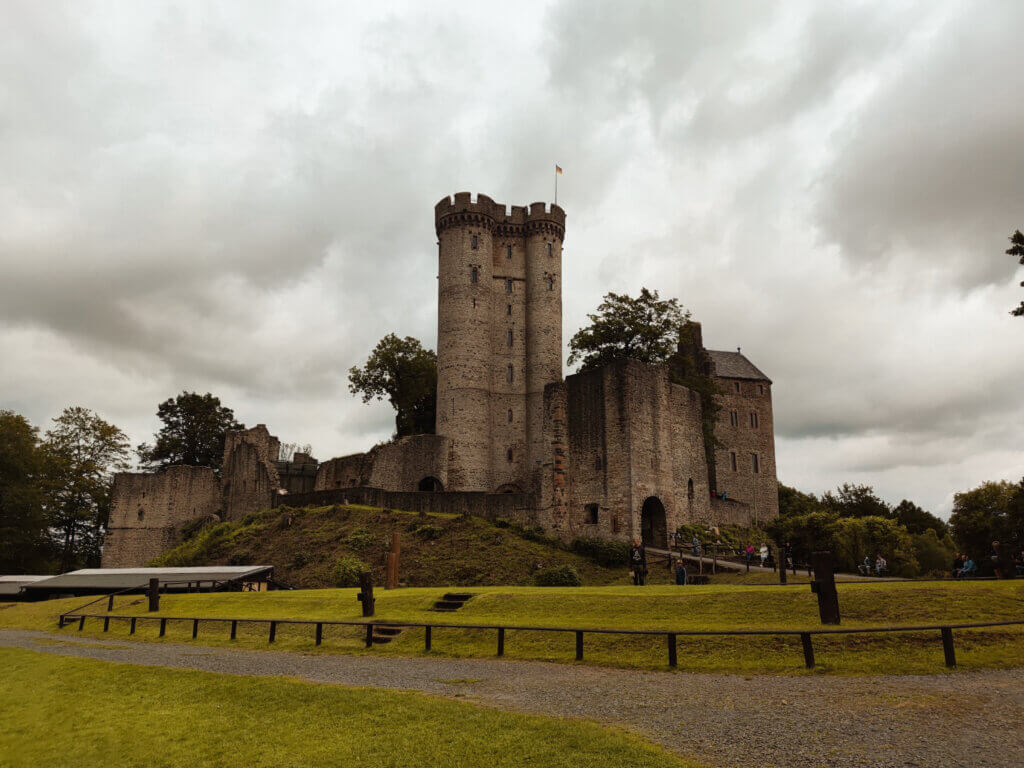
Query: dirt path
point(971, 719)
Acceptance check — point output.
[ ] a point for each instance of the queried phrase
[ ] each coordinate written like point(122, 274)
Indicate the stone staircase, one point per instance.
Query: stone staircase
point(384, 635)
point(451, 601)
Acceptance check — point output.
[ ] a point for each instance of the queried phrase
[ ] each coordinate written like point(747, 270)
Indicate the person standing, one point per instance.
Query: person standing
point(764, 555)
point(680, 572)
point(638, 562)
point(749, 552)
point(695, 545)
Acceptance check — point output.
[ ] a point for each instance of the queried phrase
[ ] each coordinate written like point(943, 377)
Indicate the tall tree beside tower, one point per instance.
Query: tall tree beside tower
point(405, 373)
point(1017, 249)
point(192, 434)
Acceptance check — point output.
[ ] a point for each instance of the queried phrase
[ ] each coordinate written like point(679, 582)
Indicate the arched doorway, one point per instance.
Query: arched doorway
point(508, 488)
point(652, 523)
point(431, 484)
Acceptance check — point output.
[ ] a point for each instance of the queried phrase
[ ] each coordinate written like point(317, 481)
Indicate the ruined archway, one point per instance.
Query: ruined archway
point(431, 484)
point(508, 488)
point(653, 531)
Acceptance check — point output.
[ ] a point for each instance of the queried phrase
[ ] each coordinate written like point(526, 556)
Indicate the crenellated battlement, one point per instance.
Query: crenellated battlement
point(462, 210)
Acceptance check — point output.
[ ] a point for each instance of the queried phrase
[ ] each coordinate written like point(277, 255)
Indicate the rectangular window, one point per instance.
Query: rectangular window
point(732, 457)
point(734, 419)
point(509, 310)
point(760, 389)
point(551, 283)
point(474, 302)
point(757, 466)
point(508, 286)
point(736, 386)
point(511, 373)
point(509, 415)
point(510, 454)
point(474, 275)
point(590, 514)
point(510, 337)
point(508, 252)
point(474, 242)
point(549, 249)
point(753, 420)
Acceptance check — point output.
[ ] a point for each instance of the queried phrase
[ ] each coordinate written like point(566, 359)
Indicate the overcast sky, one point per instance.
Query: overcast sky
point(238, 198)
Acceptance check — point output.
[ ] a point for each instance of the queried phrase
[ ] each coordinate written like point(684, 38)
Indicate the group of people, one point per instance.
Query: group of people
point(880, 567)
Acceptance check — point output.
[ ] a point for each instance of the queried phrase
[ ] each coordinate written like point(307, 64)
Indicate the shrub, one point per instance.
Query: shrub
point(359, 538)
point(561, 576)
point(300, 560)
point(428, 532)
point(501, 522)
point(536, 533)
point(602, 551)
point(347, 570)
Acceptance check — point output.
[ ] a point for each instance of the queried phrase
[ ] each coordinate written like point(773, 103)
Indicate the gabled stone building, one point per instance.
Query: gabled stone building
point(617, 452)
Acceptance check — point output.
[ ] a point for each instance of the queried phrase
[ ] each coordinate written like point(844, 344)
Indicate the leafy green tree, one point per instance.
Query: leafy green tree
point(994, 511)
point(193, 432)
point(83, 452)
point(1017, 249)
point(646, 328)
point(25, 545)
point(793, 502)
point(851, 500)
point(406, 374)
point(935, 554)
point(917, 520)
point(854, 538)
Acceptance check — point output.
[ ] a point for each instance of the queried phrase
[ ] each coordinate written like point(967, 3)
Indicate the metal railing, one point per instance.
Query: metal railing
point(671, 636)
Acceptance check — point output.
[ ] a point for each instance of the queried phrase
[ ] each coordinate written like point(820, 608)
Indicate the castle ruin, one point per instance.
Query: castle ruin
point(616, 452)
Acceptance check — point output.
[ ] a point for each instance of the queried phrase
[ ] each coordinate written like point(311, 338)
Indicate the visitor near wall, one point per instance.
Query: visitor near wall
point(638, 563)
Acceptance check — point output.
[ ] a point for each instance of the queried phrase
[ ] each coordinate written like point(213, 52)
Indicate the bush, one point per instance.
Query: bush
point(300, 560)
point(610, 554)
point(536, 533)
point(347, 570)
point(501, 522)
point(359, 538)
point(562, 576)
point(428, 532)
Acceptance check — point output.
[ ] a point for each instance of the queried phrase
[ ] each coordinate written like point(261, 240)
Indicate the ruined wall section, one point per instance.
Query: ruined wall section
point(249, 472)
point(743, 439)
point(148, 510)
point(397, 466)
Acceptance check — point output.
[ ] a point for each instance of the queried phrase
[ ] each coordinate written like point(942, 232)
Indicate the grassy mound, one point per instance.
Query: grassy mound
point(124, 715)
point(323, 547)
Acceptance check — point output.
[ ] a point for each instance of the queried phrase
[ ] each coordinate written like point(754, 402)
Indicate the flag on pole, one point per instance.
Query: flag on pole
point(558, 170)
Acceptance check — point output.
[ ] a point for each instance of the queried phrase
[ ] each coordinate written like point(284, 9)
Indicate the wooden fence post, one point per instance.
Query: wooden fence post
point(234, 629)
point(369, 635)
point(579, 645)
point(154, 594)
point(273, 631)
point(671, 649)
point(195, 628)
point(947, 646)
point(501, 641)
point(131, 630)
point(805, 640)
point(319, 633)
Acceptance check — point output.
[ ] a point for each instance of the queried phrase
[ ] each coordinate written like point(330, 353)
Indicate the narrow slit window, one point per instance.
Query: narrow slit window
point(590, 514)
point(757, 466)
point(509, 310)
point(475, 243)
point(510, 337)
point(734, 419)
point(760, 389)
point(732, 458)
point(474, 275)
point(736, 386)
point(511, 373)
point(508, 286)
point(550, 250)
point(509, 415)
point(509, 454)
point(551, 283)
point(753, 420)
point(508, 252)
point(474, 302)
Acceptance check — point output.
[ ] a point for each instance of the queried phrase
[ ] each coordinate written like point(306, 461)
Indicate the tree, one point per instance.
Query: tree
point(851, 500)
point(1017, 249)
point(406, 374)
point(917, 520)
point(24, 539)
point(994, 511)
point(646, 328)
point(83, 453)
point(192, 434)
point(793, 502)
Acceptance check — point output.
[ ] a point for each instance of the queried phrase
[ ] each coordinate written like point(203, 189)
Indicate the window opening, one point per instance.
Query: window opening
point(474, 242)
point(474, 275)
point(508, 252)
point(510, 373)
point(510, 337)
point(549, 249)
point(591, 512)
point(757, 466)
point(509, 310)
point(732, 457)
point(509, 454)
point(509, 415)
point(508, 286)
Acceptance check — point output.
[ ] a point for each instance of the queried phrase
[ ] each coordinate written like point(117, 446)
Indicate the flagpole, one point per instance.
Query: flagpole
point(556, 185)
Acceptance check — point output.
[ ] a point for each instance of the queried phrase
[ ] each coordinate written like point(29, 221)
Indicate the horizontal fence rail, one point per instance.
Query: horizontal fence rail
point(805, 635)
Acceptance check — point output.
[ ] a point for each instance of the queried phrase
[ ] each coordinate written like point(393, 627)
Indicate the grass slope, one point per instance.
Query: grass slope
point(304, 545)
point(83, 713)
point(653, 607)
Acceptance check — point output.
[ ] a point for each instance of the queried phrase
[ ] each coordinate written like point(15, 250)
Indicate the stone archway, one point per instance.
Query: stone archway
point(431, 484)
point(653, 531)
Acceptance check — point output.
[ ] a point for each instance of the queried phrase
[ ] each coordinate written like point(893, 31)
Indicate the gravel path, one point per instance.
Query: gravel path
point(971, 719)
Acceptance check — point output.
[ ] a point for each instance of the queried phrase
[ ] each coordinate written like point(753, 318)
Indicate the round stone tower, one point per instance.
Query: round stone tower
point(544, 230)
point(464, 296)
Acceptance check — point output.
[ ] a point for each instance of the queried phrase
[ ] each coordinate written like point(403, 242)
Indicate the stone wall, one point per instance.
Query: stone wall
point(397, 466)
point(147, 511)
point(742, 439)
point(510, 506)
point(249, 472)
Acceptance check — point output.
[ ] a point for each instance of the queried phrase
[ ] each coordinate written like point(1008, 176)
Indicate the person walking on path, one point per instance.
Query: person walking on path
point(638, 562)
point(764, 554)
point(749, 552)
point(680, 572)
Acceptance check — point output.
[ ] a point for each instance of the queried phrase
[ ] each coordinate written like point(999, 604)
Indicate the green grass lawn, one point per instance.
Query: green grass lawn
point(80, 712)
point(653, 607)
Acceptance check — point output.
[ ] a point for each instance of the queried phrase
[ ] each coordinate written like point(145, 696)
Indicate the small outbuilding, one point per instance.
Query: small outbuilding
point(98, 581)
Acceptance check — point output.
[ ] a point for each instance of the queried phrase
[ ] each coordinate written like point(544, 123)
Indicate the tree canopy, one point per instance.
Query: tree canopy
point(405, 373)
point(1017, 249)
point(193, 432)
point(84, 452)
point(646, 328)
point(25, 546)
point(994, 511)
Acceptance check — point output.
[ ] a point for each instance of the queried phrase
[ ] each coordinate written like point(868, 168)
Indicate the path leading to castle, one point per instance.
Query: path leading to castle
point(971, 719)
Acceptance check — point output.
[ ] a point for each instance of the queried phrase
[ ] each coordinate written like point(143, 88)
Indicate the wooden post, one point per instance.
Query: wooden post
point(824, 586)
point(163, 627)
point(579, 646)
point(81, 623)
point(426, 645)
point(947, 646)
point(365, 595)
point(195, 628)
point(110, 603)
point(154, 595)
point(234, 629)
point(131, 630)
point(369, 635)
point(671, 649)
point(106, 623)
point(319, 632)
point(780, 556)
point(273, 631)
point(501, 641)
point(805, 640)
point(396, 548)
